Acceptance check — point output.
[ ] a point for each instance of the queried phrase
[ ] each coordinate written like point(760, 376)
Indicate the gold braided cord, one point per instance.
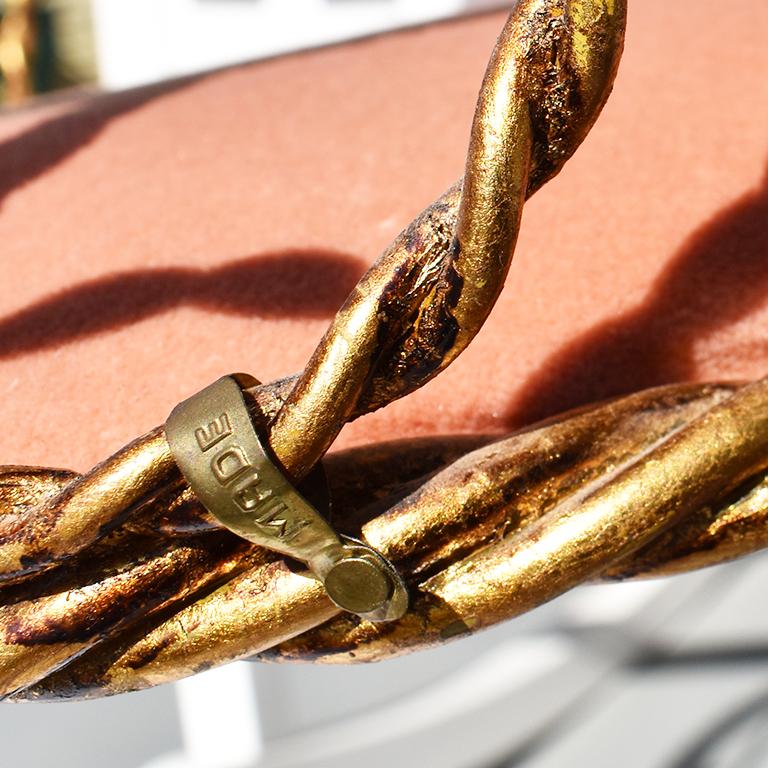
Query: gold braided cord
point(659, 482)
point(117, 579)
point(425, 299)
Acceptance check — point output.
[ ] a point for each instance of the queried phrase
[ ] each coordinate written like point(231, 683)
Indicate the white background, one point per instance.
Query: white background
point(144, 41)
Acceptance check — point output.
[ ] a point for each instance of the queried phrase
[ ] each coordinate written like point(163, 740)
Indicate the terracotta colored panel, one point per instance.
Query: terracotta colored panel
point(154, 240)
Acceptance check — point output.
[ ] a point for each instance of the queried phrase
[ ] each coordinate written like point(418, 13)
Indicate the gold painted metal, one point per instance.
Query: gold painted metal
point(218, 450)
point(481, 529)
point(468, 506)
point(425, 299)
point(16, 38)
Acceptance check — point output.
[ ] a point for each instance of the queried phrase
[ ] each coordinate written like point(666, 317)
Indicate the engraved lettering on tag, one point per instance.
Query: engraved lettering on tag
point(248, 495)
point(234, 472)
point(213, 433)
point(296, 529)
point(265, 511)
point(229, 464)
point(273, 519)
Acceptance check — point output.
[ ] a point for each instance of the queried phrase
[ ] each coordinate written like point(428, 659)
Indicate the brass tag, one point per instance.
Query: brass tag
point(219, 452)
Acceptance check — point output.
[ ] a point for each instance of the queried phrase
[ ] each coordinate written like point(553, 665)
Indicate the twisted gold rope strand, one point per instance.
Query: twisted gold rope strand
point(487, 516)
point(425, 299)
point(634, 487)
point(422, 302)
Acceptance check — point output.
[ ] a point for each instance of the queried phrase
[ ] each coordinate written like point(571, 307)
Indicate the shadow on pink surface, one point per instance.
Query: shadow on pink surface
point(28, 155)
point(718, 277)
point(295, 283)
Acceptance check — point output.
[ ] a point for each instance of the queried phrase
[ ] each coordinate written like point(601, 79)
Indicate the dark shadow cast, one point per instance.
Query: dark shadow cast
point(700, 754)
point(33, 151)
point(296, 283)
point(719, 276)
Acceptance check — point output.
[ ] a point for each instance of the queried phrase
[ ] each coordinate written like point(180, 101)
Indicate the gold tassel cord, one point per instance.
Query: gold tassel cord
point(118, 579)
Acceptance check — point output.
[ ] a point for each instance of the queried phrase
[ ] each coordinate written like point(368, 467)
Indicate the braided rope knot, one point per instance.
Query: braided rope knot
point(118, 579)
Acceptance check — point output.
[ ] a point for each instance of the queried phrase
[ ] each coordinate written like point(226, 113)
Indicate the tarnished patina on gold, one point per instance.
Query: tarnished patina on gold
point(482, 529)
point(424, 300)
point(479, 535)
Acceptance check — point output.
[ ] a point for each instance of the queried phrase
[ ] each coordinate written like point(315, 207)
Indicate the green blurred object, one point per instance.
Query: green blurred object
point(71, 48)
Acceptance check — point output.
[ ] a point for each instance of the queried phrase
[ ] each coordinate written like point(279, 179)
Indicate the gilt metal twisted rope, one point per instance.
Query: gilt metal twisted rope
point(118, 579)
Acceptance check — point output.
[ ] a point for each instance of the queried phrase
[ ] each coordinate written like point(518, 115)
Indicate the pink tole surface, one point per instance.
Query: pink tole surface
point(157, 239)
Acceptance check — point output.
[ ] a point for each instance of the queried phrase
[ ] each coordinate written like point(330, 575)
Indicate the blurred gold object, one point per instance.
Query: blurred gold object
point(119, 579)
point(16, 39)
